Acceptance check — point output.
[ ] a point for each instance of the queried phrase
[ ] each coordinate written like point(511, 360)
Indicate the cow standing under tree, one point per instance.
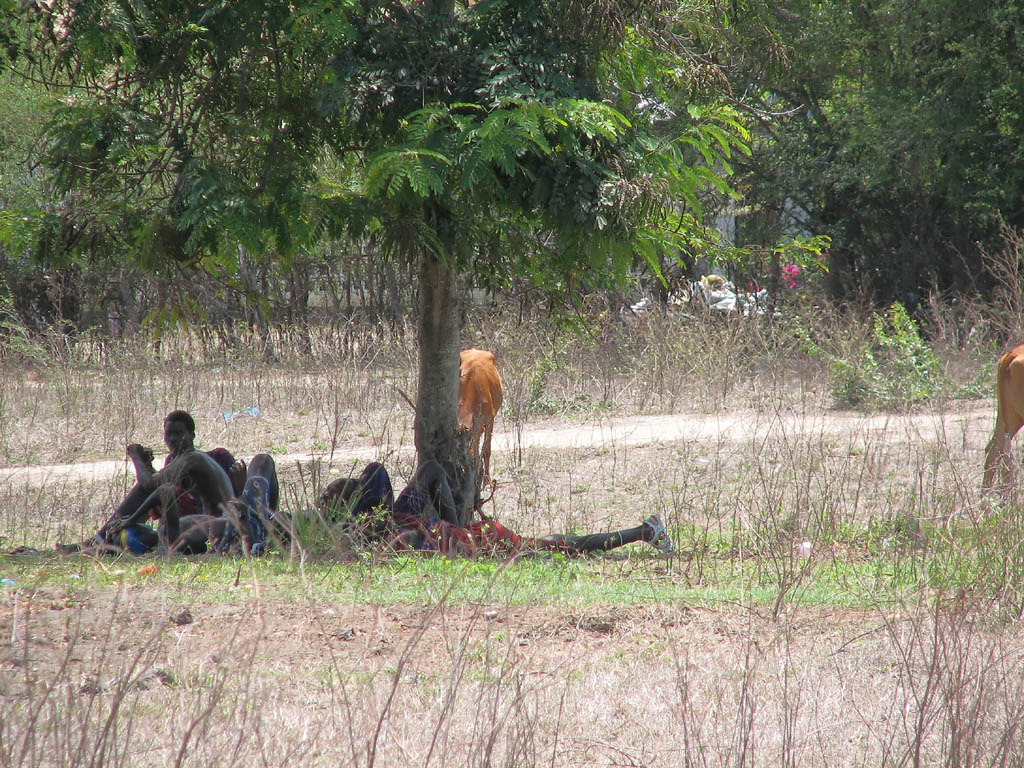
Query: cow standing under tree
point(480, 396)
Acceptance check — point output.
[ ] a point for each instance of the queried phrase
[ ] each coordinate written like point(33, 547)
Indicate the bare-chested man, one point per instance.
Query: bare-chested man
point(189, 496)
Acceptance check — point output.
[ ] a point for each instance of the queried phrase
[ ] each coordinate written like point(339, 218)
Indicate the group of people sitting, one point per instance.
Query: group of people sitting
point(209, 501)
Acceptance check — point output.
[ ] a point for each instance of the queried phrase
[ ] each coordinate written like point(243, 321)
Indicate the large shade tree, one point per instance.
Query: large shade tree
point(506, 138)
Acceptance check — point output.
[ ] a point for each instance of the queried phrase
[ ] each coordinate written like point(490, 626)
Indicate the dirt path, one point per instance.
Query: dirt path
point(741, 426)
point(972, 421)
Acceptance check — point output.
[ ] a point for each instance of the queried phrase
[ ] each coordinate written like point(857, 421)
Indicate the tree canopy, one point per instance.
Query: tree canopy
point(894, 127)
point(191, 130)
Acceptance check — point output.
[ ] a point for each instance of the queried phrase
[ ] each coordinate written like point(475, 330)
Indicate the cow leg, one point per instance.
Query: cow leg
point(473, 446)
point(997, 453)
point(485, 452)
point(1009, 419)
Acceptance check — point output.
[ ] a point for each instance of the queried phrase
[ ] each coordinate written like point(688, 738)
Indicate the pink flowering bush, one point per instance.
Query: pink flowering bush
point(790, 273)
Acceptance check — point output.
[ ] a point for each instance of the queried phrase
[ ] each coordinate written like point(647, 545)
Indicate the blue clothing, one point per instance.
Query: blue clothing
point(374, 490)
point(253, 509)
point(427, 497)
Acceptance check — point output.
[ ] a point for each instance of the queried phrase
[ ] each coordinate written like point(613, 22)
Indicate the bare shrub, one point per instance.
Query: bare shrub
point(1005, 310)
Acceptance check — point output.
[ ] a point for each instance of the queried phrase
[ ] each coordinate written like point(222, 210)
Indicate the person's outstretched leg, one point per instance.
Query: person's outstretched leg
point(652, 530)
point(125, 516)
point(125, 529)
point(136, 497)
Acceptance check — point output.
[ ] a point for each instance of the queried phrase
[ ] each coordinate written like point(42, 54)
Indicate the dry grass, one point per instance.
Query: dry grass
point(897, 642)
point(114, 680)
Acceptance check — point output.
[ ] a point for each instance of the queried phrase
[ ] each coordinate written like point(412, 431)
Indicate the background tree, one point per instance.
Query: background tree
point(508, 138)
point(893, 127)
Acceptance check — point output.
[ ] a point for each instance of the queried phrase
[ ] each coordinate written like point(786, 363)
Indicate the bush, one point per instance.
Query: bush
point(896, 368)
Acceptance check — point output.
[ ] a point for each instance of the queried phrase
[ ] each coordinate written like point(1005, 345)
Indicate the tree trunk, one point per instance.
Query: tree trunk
point(440, 7)
point(438, 397)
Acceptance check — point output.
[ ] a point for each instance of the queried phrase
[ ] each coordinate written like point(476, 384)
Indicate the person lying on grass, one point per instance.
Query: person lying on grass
point(193, 486)
point(424, 517)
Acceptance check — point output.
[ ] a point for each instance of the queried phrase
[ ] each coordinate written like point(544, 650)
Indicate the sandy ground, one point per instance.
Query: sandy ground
point(975, 418)
point(262, 678)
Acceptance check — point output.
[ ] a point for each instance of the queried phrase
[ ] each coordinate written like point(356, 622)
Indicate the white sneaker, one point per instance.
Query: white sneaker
point(659, 536)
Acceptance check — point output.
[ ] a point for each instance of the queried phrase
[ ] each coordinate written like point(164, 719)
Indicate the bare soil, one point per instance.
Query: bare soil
point(603, 685)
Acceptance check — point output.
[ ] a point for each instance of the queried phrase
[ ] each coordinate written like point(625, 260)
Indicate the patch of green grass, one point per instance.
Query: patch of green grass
point(544, 579)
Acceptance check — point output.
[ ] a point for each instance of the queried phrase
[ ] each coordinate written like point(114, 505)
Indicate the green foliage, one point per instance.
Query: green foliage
point(506, 129)
point(17, 344)
point(27, 211)
point(893, 127)
point(505, 142)
point(18, 231)
point(25, 109)
point(184, 131)
point(895, 369)
point(539, 400)
point(489, 143)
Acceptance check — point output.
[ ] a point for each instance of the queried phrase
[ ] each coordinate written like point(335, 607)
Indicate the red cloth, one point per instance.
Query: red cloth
point(484, 537)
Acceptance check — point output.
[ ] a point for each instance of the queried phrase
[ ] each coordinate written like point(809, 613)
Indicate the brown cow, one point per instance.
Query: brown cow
point(1009, 417)
point(479, 400)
